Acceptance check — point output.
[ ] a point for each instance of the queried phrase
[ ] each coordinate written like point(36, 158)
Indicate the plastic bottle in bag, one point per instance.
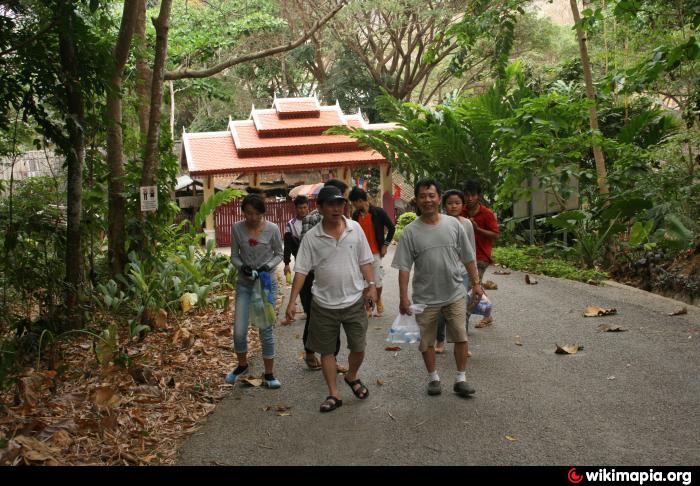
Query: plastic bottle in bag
point(405, 328)
point(482, 308)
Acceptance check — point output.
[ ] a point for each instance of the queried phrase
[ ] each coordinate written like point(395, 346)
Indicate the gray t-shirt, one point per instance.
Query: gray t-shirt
point(264, 249)
point(438, 252)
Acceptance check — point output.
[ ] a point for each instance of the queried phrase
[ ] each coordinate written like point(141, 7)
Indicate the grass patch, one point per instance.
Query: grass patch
point(532, 259)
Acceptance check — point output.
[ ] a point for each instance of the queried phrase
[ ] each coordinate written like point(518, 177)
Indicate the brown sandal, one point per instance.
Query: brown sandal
point(313, 363)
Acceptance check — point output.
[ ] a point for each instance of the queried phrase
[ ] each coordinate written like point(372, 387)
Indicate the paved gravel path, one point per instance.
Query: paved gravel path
point(627, 398)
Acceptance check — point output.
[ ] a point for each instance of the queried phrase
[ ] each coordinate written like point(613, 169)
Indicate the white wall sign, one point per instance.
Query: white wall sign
point(149, 198)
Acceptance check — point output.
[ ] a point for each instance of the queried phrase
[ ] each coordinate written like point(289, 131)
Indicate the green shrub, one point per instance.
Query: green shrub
point(404, 220)
point(531, 259)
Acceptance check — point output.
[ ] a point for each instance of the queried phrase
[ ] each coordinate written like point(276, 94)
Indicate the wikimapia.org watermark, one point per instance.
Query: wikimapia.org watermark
point(641, 477)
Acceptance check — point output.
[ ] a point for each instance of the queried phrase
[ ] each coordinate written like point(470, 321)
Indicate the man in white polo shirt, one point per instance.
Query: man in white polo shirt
point(340, 256)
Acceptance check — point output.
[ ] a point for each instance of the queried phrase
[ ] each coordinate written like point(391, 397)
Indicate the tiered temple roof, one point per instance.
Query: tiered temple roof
point(285, 138)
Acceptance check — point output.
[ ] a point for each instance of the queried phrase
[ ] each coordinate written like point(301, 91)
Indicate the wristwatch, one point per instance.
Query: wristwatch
point(371, 283)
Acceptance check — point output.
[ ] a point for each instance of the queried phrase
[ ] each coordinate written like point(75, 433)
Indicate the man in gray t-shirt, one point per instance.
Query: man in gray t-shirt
point(438, 247)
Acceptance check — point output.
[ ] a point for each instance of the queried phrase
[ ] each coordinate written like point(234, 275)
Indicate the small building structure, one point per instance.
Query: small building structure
point(287, 141)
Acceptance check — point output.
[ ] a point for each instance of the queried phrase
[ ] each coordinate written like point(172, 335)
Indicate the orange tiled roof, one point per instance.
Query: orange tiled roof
point(296, 107)
point(248, 142)
point(272, 142)
point(269, 123)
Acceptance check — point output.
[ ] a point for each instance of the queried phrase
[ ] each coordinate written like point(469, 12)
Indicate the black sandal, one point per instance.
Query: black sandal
point(331, 403)
point(362, 392)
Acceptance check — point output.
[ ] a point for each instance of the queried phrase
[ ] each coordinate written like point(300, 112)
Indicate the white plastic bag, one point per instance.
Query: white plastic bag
point(405, 328)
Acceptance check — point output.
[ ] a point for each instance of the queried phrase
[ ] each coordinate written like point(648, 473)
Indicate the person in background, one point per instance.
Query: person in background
point(256, 247)
point(485, 230)
point(379, 231)
point(452, 204)
point(292, 231)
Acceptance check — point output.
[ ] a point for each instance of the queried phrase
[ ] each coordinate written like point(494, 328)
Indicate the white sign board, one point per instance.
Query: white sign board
point(149, 198)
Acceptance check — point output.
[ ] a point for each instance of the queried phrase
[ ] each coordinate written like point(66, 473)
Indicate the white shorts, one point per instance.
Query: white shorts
point(377, 270)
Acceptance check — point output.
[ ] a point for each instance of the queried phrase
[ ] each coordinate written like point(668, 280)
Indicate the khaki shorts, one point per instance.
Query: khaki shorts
point(324, 327)
point(455, 315)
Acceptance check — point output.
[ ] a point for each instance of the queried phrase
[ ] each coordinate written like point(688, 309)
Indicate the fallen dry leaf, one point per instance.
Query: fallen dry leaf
point(62, 439)
point(284, 414)
point(183, 338)
point(252, 381)
point(392, 348)
point(380, 382)
point(283, 408)
point(108, 422)
point(34, 450)
point(608, 328)
point(490, 285)
point(679, 312)
point(518, 341)
point(595, 311)
point(530, 281)
point(568, 349)
point(501, 272)
point(511, 438)
point(105, 397)
point(161, 320)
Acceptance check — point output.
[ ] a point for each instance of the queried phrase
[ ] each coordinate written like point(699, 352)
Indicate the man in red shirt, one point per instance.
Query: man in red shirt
point(485, 230)
point(374, 222)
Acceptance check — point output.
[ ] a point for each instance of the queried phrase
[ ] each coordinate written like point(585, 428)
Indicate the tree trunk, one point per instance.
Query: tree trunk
point(150, 158)
point(75, 156)
point(116, 253)
point(172, 109)
point(143, 72)
point(588, 78)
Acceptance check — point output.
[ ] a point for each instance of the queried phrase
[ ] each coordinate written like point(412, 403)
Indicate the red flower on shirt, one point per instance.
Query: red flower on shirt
point(252, 242)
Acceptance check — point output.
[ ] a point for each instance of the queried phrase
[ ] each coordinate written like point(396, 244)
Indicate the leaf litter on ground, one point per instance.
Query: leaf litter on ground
point(108, 415)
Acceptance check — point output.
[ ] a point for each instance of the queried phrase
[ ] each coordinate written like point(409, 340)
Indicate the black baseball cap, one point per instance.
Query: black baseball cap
point(329, 194)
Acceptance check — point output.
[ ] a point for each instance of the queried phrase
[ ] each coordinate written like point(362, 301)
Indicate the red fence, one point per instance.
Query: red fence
point(227, 214)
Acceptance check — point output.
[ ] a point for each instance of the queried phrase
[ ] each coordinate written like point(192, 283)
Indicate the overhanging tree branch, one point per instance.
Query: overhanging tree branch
point(205, 73)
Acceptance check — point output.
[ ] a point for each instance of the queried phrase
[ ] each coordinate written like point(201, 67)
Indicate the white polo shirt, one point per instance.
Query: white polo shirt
point(338, 280)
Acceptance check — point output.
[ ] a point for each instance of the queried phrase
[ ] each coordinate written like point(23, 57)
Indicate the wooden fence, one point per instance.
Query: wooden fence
point(227, 214)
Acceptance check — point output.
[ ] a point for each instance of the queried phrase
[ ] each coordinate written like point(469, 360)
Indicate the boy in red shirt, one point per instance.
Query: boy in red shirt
point(485, 231)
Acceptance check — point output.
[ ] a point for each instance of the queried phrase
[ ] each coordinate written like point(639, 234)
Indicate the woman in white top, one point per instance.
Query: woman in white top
point(452, 203)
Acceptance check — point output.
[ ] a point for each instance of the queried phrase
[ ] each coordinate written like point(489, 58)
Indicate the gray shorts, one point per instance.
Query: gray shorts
point(324, 327)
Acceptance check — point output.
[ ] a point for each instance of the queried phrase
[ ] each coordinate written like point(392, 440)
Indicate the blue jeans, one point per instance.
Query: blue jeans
point(442, 325)
point(244, 292)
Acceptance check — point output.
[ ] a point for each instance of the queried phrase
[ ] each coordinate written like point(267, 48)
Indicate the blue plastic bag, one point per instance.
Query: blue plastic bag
point(262, 308)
